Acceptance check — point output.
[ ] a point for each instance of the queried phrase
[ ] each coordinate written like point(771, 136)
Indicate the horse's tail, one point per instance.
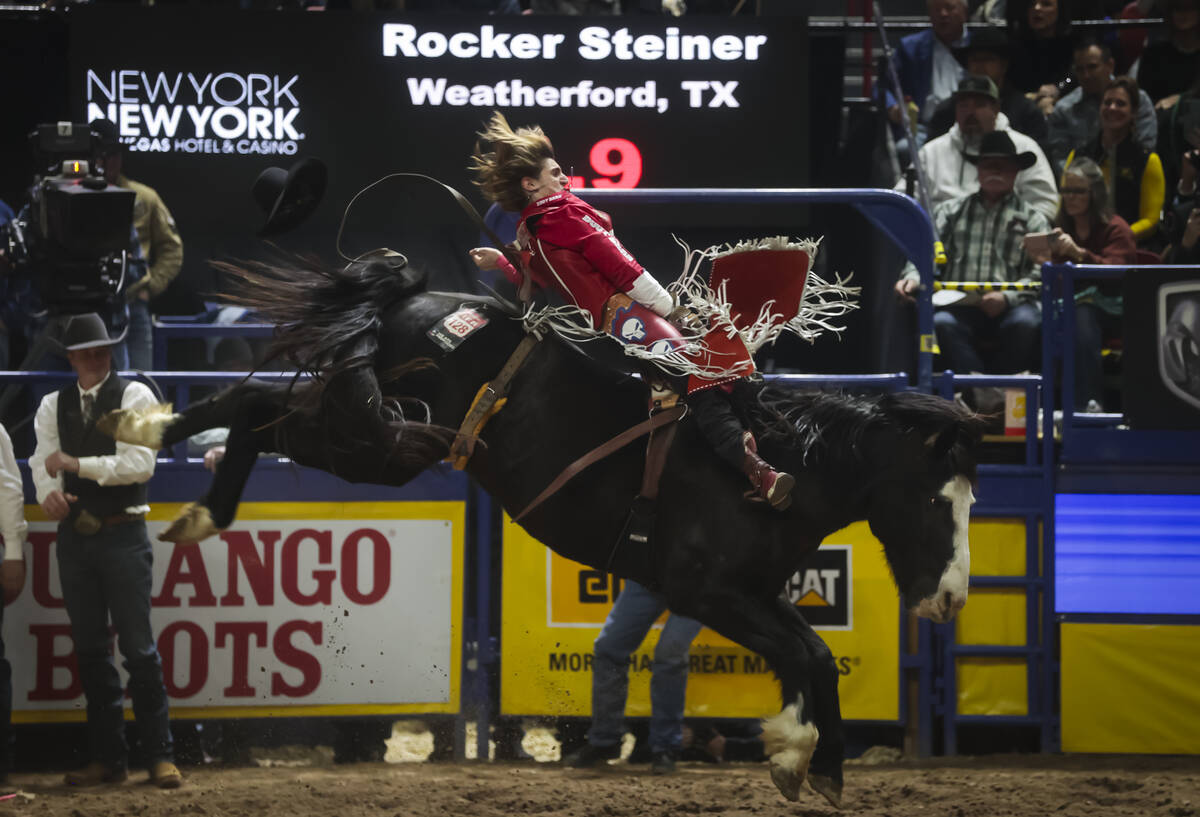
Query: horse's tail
point(327, 319)
point(327, 323)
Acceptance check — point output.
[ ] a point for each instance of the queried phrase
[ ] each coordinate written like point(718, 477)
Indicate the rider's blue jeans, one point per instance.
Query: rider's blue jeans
point(634, 613)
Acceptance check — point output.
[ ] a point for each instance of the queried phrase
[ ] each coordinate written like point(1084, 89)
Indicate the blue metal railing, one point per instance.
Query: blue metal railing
point(178, 327)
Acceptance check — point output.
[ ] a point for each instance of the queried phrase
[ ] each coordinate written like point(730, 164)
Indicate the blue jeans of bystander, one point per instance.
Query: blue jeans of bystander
point(109, 574)
point(973, 342)
point(140, 339)
point(632, 616)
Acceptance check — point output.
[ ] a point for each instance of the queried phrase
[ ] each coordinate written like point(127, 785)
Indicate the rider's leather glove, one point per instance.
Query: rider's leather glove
point(686, 319)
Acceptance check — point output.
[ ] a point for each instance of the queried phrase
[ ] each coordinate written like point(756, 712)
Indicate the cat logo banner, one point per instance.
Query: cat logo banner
point(552, 609)
point(822, 589)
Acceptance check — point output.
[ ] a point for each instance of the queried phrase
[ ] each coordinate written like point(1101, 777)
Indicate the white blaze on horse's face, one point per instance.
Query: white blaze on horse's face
point(951, 593)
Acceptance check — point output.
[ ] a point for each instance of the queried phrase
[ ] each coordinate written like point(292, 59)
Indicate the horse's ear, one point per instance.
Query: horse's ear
point(940, 443)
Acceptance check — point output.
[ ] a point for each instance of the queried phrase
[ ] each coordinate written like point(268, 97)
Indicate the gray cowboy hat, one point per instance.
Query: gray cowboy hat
point(85, 331)
point(289, 196)
point(978, 85)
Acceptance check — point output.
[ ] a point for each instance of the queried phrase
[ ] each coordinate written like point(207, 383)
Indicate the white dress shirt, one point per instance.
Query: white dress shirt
point(12, 501)
point(943, 81)
point(131, 464)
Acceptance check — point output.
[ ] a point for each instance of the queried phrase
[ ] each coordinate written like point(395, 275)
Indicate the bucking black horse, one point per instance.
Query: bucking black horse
point(384, 396)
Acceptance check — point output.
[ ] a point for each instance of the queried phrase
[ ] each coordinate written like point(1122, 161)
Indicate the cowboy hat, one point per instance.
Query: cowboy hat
point(998, 145)
point(85, 331)
point(289, 196)
point(992, 39)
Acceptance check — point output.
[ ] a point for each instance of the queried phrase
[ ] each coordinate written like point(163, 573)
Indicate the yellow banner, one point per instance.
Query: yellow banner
point(552, 610)
point(1130, 688)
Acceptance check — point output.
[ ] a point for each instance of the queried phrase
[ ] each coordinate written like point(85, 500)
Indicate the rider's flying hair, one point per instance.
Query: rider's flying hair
point(512, 156)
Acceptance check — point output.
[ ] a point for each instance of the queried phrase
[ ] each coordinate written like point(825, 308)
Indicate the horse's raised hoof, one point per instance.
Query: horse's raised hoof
point(142, 426)
point(827, 787)
point(789, 744)
point(193, 524)
point(788, 782)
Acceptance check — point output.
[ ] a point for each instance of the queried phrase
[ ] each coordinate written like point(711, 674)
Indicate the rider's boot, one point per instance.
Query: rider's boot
point(771, 486)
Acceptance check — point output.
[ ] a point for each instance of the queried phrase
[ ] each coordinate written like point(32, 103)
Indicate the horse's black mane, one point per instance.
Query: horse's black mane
point(829, 426)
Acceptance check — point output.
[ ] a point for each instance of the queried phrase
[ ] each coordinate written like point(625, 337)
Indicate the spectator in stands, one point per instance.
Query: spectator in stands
point(1041, 36)
point(1134, 173)
point(161, 246)
point(12, 579)
point(1178, 131)
point(575, 7)
point(1184, 222)
point(988, 55)
point(984, 236)
point(1087, 231)
point(95, 489)
point(948, 160)
point(632, 616)
point(1169, 67)
point(926, 67)
point(1075, 120)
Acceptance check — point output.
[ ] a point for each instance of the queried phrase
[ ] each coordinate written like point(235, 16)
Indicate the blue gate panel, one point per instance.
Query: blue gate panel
point(1133, 554)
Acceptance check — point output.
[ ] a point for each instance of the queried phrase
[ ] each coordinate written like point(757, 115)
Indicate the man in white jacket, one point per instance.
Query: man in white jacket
point(977, 113)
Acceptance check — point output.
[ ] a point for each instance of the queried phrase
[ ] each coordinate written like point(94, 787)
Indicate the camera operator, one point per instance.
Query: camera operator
point(72, 249)
point(1183, 220)
point(158, 238)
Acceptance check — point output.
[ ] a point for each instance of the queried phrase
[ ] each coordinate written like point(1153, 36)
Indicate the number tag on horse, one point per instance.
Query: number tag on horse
point(453, 329)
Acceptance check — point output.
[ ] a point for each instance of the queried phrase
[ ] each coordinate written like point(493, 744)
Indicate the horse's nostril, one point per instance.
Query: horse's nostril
point(948, 600)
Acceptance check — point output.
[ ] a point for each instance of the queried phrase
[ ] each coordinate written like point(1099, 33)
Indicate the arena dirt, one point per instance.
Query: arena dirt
point(1000, 785)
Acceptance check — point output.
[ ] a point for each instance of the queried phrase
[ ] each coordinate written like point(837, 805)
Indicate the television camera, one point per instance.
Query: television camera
point(71, 241)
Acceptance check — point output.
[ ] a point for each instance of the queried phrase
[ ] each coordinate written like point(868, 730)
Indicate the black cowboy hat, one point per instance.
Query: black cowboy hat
point(106, 136)
point(998, 145)
point(993, 39)
point(85, 331)
point(289, 196)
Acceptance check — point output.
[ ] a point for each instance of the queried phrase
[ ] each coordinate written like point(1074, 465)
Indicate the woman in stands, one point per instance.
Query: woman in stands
point(1087, 231)
point(1134, 174)
point(1041, 57)
point(568, 246)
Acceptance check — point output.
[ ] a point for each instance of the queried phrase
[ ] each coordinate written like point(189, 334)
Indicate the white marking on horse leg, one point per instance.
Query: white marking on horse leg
point(141, 426)
point(790, 745)
point(951, 593)
point(193, 524)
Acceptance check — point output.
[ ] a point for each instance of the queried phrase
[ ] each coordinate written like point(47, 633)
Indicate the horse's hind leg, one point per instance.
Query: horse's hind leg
point(156, 427)
point(215, 512)
point(790, 738)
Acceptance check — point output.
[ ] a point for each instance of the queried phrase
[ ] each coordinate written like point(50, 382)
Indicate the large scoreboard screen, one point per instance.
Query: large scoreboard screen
point(205, 100)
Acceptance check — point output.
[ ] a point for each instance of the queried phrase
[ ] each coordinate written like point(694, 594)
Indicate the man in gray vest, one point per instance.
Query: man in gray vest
point(95, 488)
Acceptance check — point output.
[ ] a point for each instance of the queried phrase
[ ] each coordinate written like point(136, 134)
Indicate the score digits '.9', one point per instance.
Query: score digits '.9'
point(616, 162)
